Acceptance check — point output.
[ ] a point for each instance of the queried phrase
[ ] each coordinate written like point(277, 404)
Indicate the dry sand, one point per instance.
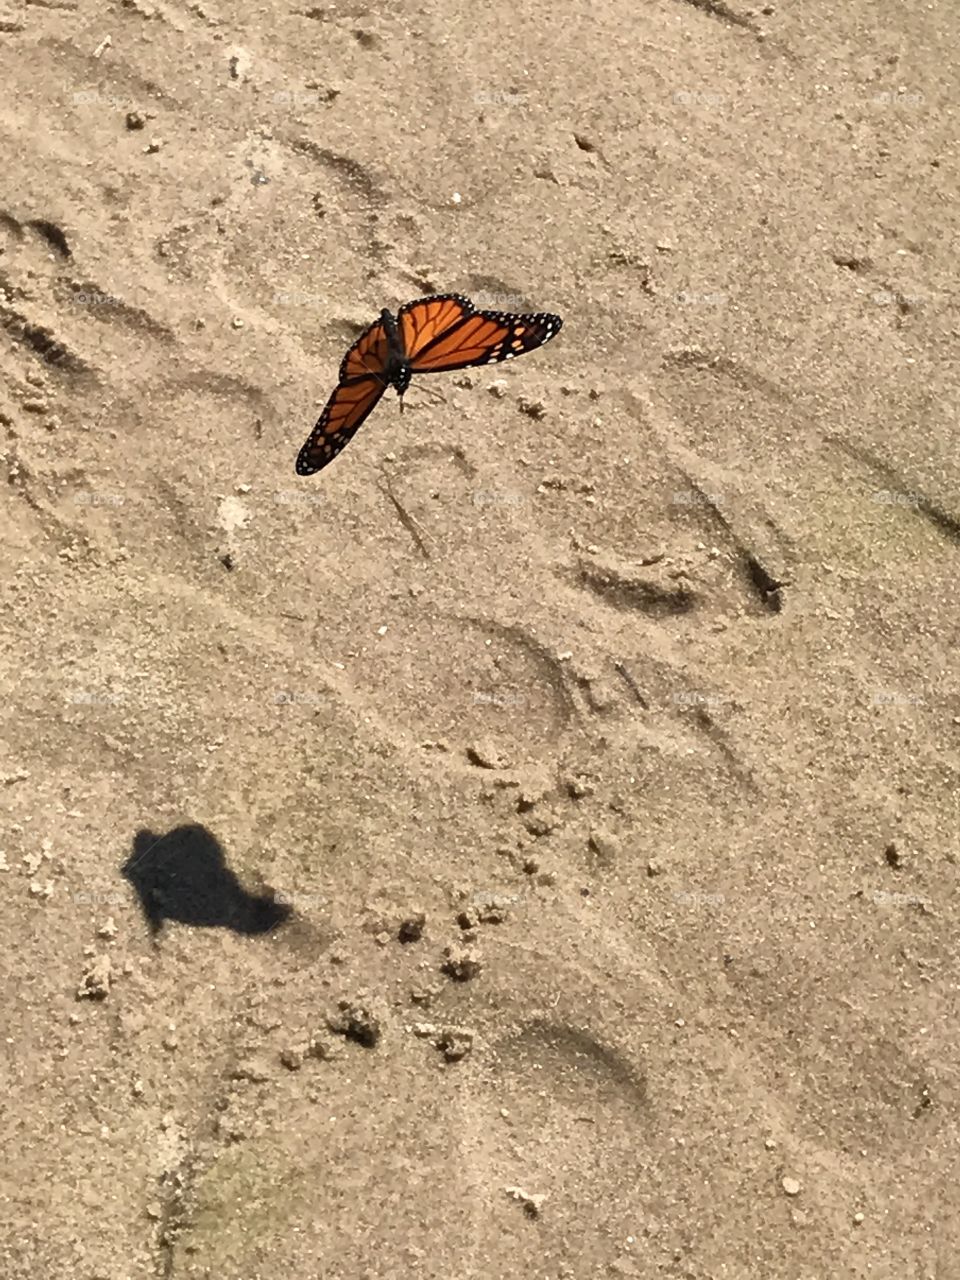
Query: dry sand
point(648, 703)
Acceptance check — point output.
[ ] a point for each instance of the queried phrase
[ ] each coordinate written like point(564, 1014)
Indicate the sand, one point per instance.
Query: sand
point(527, 848)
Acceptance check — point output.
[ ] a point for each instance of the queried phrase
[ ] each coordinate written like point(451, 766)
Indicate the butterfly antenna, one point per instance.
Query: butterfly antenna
point(437, 396)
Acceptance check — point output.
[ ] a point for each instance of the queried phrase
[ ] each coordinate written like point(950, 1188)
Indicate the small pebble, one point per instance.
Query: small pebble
point(485, 756)
point(250, 1070)
point(535, 409)
point(411, 929)
point(790, 1186)
point(532, 1204)
point(238, 65)
point(461, 963)
point(95, 983)
point(492, 909)
point(357, 1022)
point(606, 846)
point(453, 1042)
point(33, 859)
point(423, 995)
point(322, 1048)
point(578, 789)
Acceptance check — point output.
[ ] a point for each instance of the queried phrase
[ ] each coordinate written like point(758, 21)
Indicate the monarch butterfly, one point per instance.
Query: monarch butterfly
point(430, 335)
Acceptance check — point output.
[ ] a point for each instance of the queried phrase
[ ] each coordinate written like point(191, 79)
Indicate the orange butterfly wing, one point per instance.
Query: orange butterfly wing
point(368, 355)
point(446, 332)
point(361, 386)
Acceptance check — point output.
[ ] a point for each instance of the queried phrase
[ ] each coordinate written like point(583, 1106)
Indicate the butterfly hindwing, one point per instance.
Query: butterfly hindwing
point(368, 355)
point(446, 332)
point(422, 321)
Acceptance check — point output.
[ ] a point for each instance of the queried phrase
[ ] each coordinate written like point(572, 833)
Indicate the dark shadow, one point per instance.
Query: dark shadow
point(184, 876)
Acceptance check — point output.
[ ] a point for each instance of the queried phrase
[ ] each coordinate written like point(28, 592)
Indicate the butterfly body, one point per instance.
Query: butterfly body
point(431, 335)
point(397, 372)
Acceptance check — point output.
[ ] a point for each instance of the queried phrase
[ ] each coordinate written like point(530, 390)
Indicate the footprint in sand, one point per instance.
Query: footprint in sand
point(558, 1109)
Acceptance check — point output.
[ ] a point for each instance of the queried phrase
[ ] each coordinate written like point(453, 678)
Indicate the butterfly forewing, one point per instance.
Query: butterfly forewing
point(346, 411)
point(361, 386)
point(445, 332)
